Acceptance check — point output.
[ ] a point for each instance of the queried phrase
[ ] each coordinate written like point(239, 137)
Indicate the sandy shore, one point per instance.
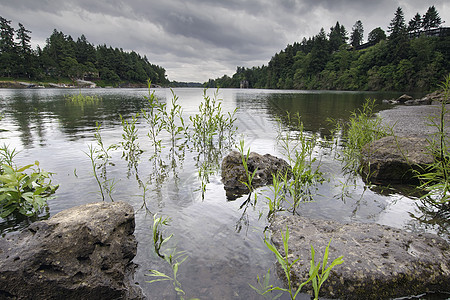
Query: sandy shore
point(413, 120)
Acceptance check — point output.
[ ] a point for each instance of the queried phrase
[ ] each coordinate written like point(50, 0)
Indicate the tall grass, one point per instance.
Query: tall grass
point(362, 128)
point(436, 179)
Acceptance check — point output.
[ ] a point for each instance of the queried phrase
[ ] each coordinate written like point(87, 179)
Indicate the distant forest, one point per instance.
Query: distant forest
point(63, 58)
point(414, 57)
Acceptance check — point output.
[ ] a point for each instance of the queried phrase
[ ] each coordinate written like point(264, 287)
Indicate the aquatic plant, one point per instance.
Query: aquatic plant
point(210, 124)
point(362, 128)
point(82, 100)
point(100, 158)
point(249, 175)
point(173, 257)
point(318, 273)
point(436, 180)
point(131, 149)
point(22, 192)
point(298, 147)
point(153, 114)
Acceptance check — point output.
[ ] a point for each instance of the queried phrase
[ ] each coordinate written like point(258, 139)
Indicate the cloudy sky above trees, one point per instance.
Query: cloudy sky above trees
point(200, 39)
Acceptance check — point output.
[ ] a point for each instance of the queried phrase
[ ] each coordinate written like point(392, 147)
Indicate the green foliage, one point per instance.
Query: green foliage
point(436, 180)
point(318, 273)
point(324, 61)
point(363, 127)
point(248, 173)
point(24, 190)
point(99, 156)
point(323, 273)
point(63, 57)
point(298, 147)
point(172, 257)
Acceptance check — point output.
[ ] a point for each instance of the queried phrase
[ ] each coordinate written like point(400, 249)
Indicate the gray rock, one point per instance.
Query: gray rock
point(403, 98)
point(395, 159)
point(233, 171)
point(84, 252)
point(380, 262)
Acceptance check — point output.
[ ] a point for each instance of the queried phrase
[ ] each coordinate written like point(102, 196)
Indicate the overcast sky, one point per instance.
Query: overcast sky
point(196, 40)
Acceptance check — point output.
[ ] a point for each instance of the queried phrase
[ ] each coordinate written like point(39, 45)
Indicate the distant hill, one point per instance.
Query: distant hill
point(414, 57)
point(63, 58)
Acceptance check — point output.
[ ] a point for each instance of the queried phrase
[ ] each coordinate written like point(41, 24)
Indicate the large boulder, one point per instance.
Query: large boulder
point(84, 252)
point(234, 175)
point(380, 262)
point(395, 159)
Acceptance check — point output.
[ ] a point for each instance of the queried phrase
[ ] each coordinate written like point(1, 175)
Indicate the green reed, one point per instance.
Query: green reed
point(436, 180)
point(173, 257)
point(362, 128)
point(318, 272)
point(298, 147)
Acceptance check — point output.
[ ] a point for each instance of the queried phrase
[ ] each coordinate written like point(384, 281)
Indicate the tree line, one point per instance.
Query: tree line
point(408, 59)
point(64, 58)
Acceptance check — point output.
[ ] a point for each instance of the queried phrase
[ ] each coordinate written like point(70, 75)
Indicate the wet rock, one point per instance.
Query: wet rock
point(380, 262)
point(403, 98)
point(84, 252)
point(395, 159)
point(233, 172)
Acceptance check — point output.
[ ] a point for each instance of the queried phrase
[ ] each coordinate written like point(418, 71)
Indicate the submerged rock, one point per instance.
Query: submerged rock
point(84, 252)
point(380, 262)
point(395, 159)
point(233, 171)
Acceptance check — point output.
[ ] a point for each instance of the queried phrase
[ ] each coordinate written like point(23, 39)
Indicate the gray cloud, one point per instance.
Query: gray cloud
point(200, 39)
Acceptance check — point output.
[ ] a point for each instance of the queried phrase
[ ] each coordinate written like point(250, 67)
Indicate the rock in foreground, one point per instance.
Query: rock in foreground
point(395, 159)
point(380, 262)
point(84, 252)
point(233, 171)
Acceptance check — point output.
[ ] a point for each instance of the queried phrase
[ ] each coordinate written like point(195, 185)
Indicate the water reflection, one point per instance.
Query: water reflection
point(183, 181)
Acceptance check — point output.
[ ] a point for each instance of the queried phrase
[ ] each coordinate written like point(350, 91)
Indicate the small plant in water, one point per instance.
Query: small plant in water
point(24, 190)
point(318, 273)
point(298, 147)
point(173, 257)
point(436, 180)
point(362, 128)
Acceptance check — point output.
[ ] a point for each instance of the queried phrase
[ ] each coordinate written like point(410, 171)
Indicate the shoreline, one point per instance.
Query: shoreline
point(412, 120)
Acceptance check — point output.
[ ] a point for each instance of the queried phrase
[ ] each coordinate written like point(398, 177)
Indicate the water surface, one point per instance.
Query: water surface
point(223, 241)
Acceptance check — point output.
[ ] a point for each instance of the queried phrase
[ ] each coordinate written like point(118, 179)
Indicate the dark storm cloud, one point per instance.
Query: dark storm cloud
point(201, 39)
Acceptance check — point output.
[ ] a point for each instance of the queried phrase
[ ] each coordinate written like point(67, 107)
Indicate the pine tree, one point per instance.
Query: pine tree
point(356, 37)
point(431, 19)
point(397, 27)
point(415, 24)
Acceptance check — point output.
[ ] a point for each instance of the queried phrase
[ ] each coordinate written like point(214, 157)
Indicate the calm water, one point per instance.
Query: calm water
point(223, 242)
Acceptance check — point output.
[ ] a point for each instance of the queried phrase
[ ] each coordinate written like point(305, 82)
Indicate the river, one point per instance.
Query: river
point(223, 242)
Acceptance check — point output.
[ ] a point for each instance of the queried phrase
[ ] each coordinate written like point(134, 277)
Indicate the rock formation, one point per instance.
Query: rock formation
point(233, 171)
point(84, 252)
point(395, 159)
point(380, 262)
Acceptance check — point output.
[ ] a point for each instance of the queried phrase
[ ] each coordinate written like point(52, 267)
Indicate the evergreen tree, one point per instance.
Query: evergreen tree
point(431, 19)
point(7, 48)
point(356, 37)
point(337, 37)
point(6, 36)
point(397, 27)
point(415, 24)
point(25, 59)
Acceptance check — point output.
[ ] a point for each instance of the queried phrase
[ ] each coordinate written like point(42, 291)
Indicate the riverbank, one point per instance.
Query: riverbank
point(413, 120)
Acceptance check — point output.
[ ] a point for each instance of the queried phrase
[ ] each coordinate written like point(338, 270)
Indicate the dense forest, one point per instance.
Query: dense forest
point(63, 58)
point(415, 56)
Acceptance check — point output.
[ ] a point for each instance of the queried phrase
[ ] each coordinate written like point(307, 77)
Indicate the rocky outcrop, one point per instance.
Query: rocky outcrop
point(395, 159)
point(84, 252)
point(233, 171)
point(380, 262)
point(426, 100)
